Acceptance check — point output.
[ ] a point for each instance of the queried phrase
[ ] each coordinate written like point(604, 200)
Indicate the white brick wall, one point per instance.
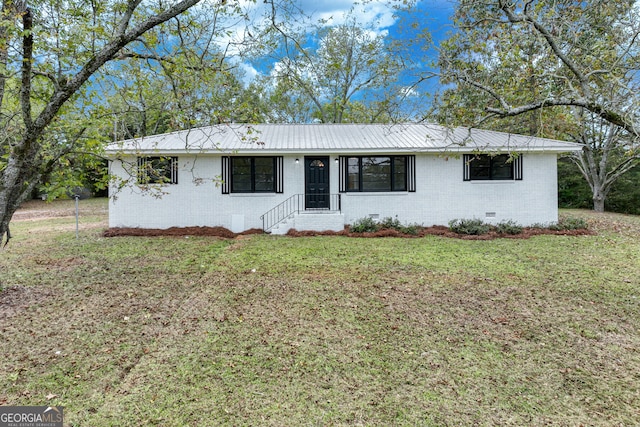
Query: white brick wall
point(441, 195)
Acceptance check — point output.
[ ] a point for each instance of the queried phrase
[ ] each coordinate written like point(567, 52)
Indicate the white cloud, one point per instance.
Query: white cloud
point(249, 72)
point(377, 15)
point(336, 12)
point(409, 92)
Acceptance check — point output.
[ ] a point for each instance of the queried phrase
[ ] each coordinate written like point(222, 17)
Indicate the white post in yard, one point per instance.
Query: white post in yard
point(77, 197)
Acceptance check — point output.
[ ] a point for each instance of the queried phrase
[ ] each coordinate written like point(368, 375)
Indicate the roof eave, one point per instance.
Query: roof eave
point(335, 151)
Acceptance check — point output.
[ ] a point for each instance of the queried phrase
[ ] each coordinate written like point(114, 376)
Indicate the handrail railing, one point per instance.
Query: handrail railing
point(295, 204)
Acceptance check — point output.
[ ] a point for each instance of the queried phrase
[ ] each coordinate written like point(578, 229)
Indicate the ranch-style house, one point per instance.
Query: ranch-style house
point(324, 176)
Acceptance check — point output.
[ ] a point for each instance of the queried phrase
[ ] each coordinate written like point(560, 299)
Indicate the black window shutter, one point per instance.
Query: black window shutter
point(466, 164)
point(342, 173)
point(174, 170)
point(517, 168)
point(226, 174)
point(411, 174)
point(279, 174)
point(142, 165)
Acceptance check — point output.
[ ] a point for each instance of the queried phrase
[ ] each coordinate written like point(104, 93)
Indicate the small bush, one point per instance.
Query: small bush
point(469, 226)
point(369, 225)
point(389, 222)
point(365, 225)
point(411, 229)
point(570, 223)
point(508, 227)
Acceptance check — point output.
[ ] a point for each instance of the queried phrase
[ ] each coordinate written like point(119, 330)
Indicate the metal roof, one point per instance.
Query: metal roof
point(336, 138)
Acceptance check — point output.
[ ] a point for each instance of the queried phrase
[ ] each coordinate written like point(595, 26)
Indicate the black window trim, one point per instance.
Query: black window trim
point(227, 175)
point(410, 179)
point(171, 176)
point(516, 167)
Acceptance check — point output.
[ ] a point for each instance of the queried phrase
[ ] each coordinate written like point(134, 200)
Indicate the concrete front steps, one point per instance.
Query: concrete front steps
point(311, 221)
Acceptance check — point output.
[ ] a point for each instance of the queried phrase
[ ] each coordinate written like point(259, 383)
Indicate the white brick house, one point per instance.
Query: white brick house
point(321, 177)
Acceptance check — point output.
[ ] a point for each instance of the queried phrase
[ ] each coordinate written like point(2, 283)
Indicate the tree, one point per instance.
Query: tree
point(550, 68)
point(345, 65)
point(51, 53)
point(607, 155)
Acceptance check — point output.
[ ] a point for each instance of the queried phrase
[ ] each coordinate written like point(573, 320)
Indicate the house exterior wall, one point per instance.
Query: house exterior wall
point(441, 195)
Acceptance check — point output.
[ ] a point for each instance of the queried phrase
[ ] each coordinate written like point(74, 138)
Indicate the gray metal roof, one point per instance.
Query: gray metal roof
point(336, 138)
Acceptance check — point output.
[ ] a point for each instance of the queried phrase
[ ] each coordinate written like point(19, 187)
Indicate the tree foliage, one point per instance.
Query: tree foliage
point(333, 74)
point(53, 55)
point(561, 69)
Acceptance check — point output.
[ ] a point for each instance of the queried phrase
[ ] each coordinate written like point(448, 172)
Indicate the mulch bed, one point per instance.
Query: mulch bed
point(178, 231)
point(426, 231)
point(445, 232)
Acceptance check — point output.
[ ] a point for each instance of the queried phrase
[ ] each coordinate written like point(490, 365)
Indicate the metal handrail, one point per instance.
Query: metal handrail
point(294, 205)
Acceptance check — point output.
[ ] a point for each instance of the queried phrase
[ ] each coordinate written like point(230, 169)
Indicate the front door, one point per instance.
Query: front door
point(316, 182)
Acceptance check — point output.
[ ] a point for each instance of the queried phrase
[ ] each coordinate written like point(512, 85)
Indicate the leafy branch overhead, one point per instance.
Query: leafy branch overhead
point(331, 74)
point(527, 56)
point(560, 69)
point(49, 57)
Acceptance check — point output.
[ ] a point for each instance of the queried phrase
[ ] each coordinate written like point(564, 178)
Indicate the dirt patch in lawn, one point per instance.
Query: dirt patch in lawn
point(40, 214)
point(426, 231)
point(14, 299)
point(36, 210)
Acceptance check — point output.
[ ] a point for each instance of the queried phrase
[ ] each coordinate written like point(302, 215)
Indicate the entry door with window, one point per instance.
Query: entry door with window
point(316, 182)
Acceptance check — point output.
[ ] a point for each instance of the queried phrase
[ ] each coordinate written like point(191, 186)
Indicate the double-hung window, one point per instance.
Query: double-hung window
point(157, 170)
point(485, 167)
point(252, 174)
point(377, 173)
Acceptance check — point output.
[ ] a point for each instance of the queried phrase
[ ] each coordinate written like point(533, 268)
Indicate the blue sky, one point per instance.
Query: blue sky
point(432, 14)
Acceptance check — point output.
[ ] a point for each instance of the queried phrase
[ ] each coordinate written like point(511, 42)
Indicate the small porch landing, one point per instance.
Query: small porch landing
point(311, 221)
point(295, 212)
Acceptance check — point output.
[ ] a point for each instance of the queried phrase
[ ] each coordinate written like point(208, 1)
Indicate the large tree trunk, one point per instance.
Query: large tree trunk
point(598, 201)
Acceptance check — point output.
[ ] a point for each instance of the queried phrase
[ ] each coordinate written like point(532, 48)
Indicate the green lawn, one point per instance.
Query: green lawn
point(274, 331)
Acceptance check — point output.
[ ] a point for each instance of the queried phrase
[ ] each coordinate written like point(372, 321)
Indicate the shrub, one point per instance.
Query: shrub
point(469, 226)
point(411, 229)
point(389, 222)
point(369, 225)
point(395, 224)
point(509, 227)
point(365, 225)
point(570, 223)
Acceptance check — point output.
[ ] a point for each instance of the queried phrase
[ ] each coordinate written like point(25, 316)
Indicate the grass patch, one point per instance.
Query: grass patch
point(267, 330)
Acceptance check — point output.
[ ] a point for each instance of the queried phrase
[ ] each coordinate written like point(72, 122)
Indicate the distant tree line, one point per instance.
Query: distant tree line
point(574, 191)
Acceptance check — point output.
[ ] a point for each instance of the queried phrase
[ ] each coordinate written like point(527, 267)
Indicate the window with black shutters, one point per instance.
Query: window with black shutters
point(253, 174)
point(377, 173)
point(483, 167)
point(157, 170)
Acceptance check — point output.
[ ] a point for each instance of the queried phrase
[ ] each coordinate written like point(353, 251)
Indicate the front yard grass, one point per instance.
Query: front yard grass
point(265, 330)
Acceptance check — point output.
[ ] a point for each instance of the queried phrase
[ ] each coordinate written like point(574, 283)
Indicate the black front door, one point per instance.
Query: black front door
point(316, 182)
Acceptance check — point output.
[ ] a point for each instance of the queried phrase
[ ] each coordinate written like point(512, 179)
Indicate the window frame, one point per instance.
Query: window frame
point(252, 174)
point(169, 175)
point(408, 168)
point(492, 164)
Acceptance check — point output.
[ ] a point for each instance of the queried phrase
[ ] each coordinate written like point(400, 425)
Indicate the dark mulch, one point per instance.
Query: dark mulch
point(441, 230)
point(426, 231)
point(178, 231)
